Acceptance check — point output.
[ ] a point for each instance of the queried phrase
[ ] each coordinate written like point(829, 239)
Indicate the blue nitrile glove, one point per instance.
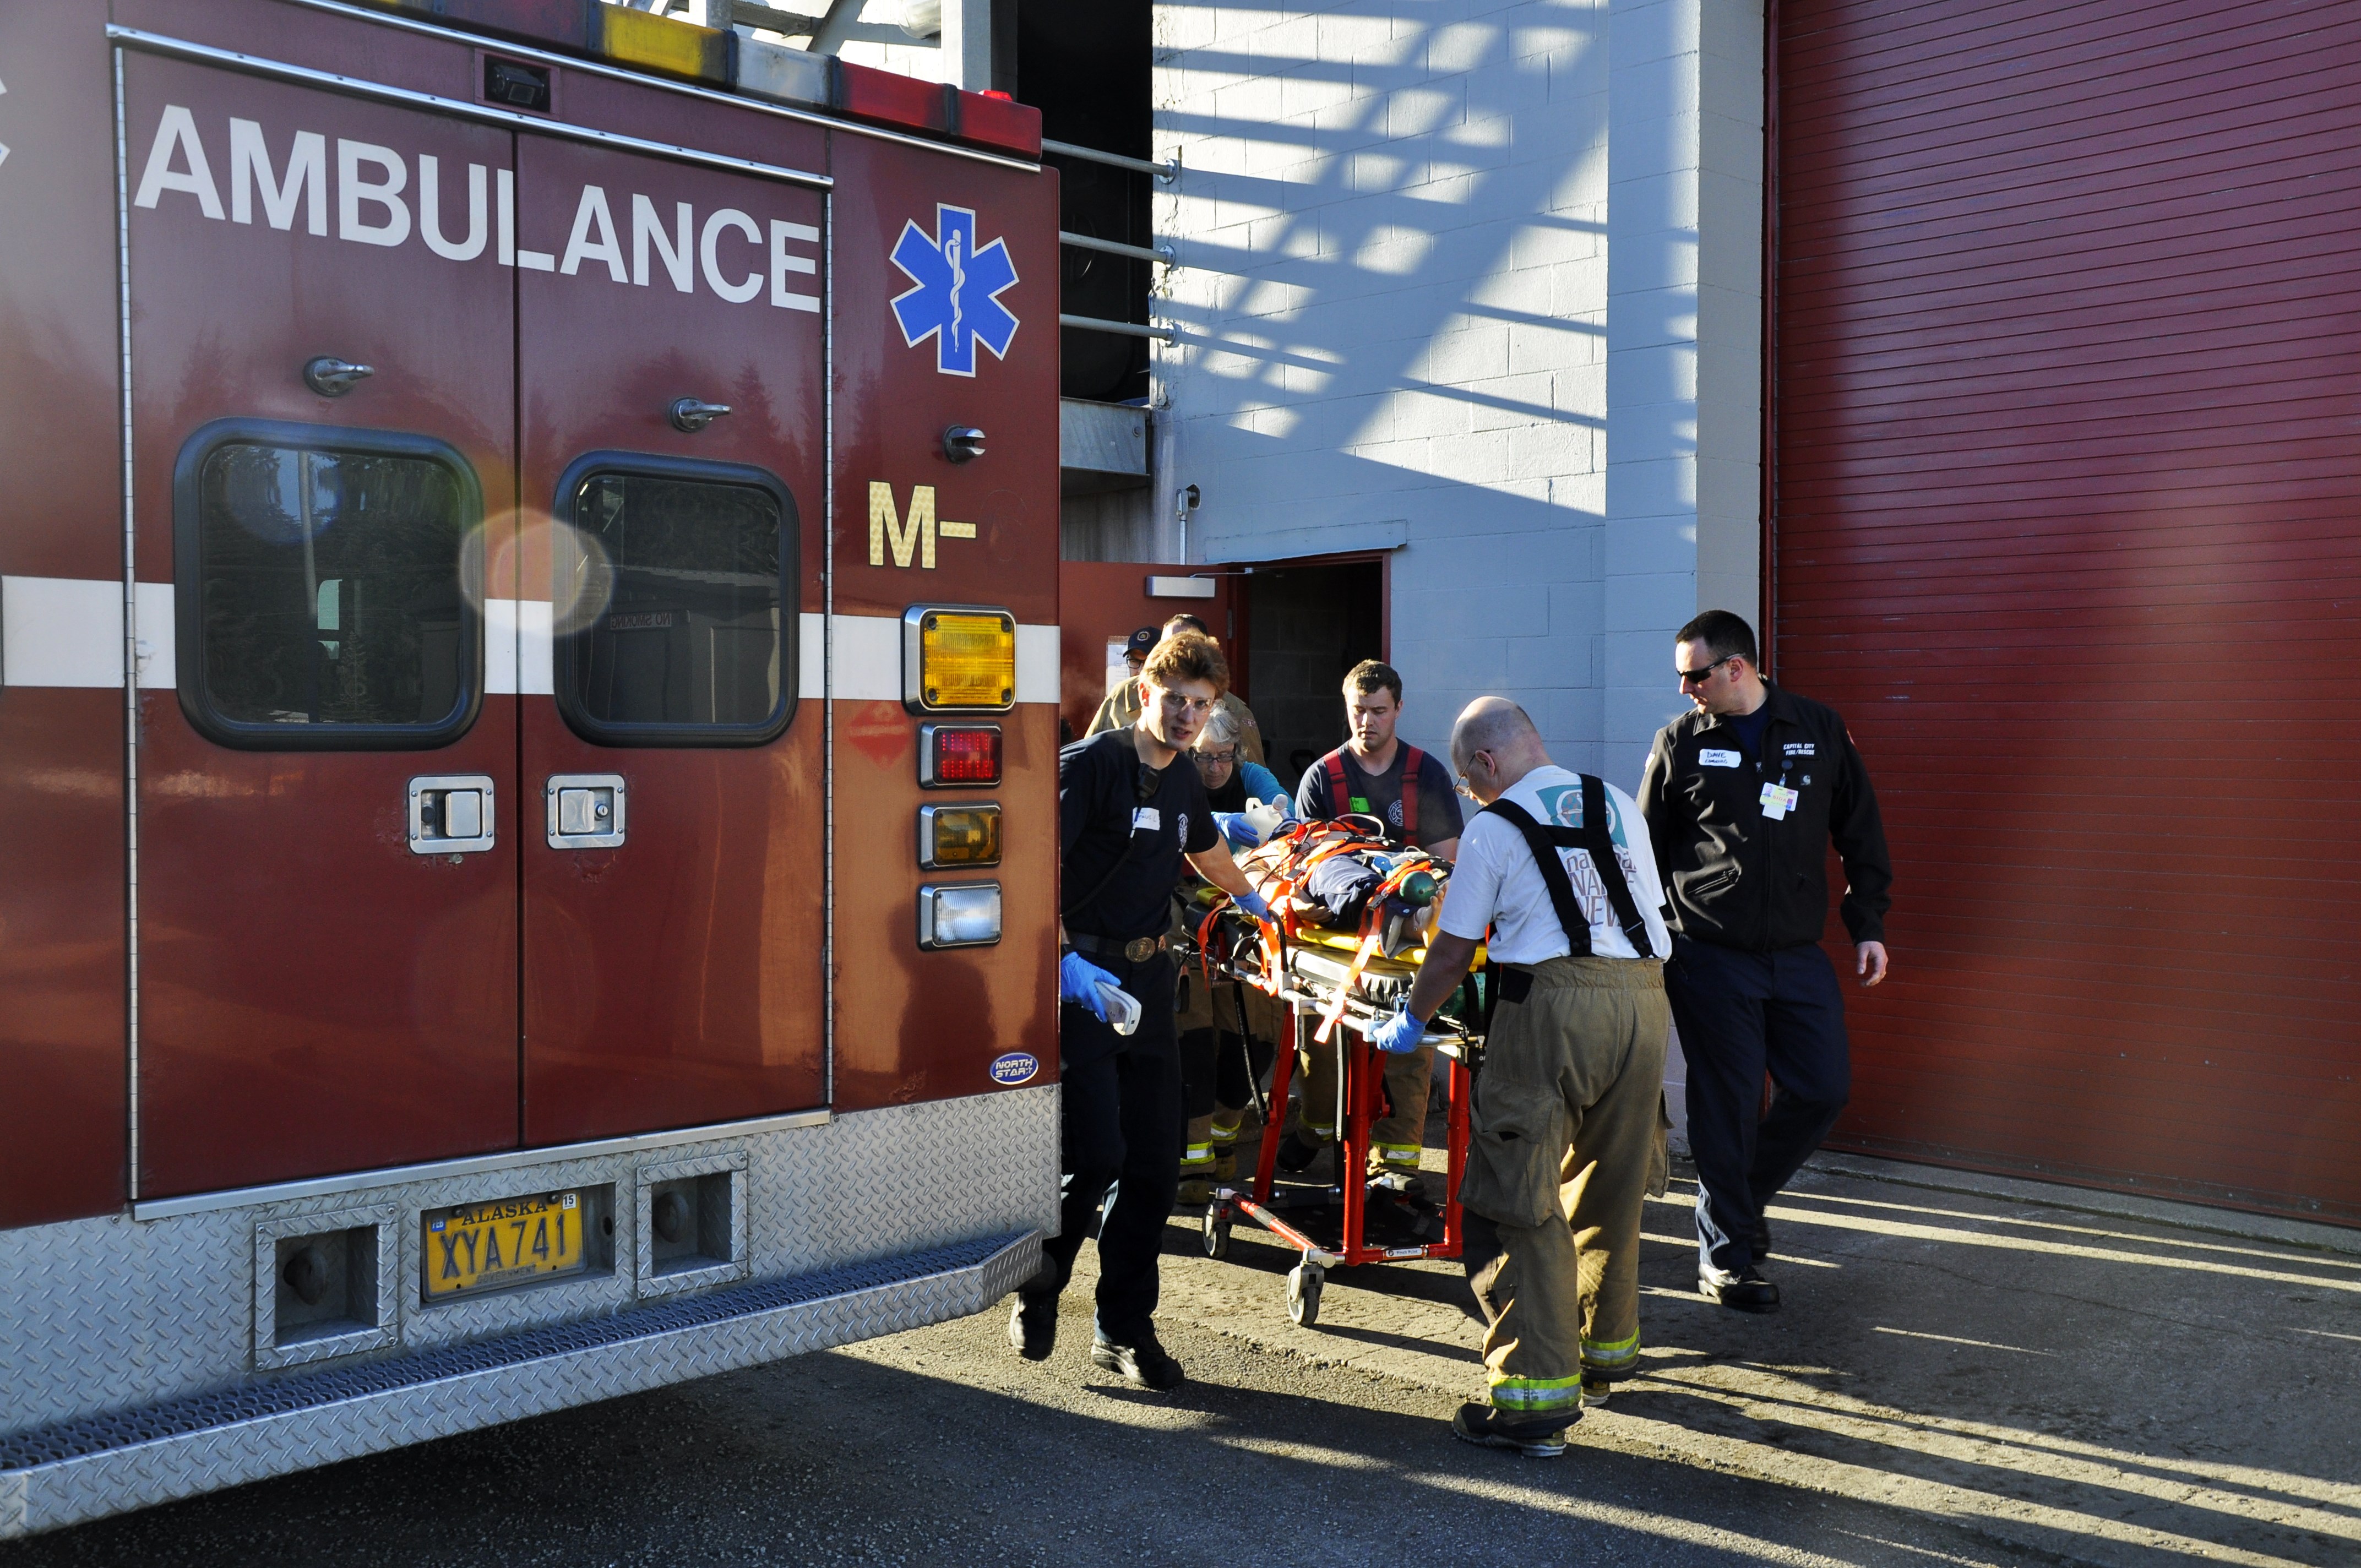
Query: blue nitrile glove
point(1235, 828)
point(1399, 1034)
point(1252, 902)
point(1079, 981)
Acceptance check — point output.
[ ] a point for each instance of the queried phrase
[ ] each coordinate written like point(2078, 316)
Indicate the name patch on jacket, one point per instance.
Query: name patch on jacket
point(1710, 757)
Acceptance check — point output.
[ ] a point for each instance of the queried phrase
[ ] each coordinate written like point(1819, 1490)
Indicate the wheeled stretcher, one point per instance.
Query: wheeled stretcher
point(1338, 987)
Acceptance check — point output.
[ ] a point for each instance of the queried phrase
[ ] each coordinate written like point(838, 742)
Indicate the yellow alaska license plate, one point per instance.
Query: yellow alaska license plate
point(485, 1246)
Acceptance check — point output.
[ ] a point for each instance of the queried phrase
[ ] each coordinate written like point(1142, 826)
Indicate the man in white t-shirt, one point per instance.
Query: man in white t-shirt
point(1568, 1113)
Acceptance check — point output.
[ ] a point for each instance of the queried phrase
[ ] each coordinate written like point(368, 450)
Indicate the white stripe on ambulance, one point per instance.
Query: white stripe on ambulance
point(734, 252)
point(68, 631)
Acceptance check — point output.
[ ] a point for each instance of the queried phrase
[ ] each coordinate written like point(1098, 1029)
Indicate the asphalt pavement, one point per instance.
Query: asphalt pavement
point(1962, 1373)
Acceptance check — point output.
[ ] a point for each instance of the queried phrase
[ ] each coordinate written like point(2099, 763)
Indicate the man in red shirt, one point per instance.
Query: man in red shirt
point(1409, 794)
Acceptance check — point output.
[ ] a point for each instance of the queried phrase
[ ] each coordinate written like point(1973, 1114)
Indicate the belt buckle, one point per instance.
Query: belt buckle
point(1139, 949)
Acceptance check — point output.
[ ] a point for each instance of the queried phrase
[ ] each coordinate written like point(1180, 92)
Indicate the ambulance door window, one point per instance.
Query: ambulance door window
point(319, 597)
point(672, 588)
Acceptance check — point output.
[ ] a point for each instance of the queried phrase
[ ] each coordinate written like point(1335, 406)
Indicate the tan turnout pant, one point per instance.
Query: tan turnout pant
point(1568, 1126)
point(1395, 1139)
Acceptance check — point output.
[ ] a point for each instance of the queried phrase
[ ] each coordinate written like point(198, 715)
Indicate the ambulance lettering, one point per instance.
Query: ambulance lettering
point(888, 530)
point(739, 256)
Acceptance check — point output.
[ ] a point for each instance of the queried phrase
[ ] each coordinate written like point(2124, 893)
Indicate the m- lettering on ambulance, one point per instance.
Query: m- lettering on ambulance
point(528, 723)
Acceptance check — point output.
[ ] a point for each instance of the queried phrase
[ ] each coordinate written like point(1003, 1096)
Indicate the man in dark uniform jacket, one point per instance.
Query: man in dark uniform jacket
point(1742, 798)
point(1130, 809)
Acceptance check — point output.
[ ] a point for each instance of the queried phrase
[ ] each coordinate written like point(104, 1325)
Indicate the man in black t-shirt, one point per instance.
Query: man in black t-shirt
point(1409, 794)
point(1130, 810)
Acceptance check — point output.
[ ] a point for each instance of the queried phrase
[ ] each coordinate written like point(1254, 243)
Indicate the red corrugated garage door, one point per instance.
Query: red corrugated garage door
point(2067, 484)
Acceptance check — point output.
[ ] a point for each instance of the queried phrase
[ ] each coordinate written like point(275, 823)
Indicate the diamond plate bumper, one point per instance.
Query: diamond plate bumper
point(104, 1464)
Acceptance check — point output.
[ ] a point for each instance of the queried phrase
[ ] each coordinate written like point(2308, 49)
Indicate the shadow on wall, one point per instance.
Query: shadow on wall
point(1392, 316)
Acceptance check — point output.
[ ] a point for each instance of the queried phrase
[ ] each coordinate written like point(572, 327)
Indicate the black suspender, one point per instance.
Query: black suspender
point(1593, 835)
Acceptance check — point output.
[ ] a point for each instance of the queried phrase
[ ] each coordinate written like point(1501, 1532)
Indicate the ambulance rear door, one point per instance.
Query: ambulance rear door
point(672, 363)
point(323, 464)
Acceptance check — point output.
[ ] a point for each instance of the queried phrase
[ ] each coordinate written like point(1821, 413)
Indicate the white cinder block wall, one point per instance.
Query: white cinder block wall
point(1442, 289)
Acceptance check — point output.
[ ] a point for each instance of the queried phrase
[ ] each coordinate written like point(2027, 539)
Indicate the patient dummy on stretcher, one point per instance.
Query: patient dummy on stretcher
point(1342, 884)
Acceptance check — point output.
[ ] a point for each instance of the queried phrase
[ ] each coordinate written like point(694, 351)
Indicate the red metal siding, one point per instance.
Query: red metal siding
point(62, 1121)
point(2068, 524)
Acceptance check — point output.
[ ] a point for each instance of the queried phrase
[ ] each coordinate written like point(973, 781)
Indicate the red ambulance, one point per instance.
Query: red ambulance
point(528, 591)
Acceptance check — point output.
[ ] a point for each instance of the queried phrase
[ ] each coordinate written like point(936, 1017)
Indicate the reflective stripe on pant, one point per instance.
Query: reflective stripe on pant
point(1197, 1147)
point(1395, 1138)
point(1561, 1154)
point(1743, 1014)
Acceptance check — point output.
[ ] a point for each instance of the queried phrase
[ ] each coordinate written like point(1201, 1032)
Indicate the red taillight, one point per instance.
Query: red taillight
point(994, 119)
point(958, 756)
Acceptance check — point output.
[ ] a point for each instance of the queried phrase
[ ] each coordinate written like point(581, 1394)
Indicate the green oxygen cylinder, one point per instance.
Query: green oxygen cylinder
point(1418, 888)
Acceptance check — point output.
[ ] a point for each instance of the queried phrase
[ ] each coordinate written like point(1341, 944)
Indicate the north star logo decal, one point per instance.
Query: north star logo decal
point(956, 301)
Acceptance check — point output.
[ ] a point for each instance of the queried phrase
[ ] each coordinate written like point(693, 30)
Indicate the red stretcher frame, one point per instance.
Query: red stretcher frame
point(1363, 1082)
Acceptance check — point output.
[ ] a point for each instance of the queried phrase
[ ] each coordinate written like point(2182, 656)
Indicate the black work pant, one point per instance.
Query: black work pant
point(1216, 1071)
point(1741, 1014)
point(1119, 1145)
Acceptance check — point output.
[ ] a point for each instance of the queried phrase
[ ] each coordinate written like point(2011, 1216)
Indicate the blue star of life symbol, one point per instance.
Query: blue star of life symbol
point(956, 301)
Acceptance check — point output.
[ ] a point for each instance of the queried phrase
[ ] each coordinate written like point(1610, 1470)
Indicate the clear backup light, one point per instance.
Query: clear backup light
point(958, 756)
point(958, 657)
point(958, 835)
point(958, 915)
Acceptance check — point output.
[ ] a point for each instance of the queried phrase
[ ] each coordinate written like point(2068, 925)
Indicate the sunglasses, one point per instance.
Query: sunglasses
point(1703, 673)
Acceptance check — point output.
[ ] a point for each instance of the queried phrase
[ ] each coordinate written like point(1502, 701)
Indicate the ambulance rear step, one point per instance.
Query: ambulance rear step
point(102, 1464)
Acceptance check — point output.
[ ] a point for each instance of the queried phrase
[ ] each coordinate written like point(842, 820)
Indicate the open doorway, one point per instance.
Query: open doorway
point(1302, 627)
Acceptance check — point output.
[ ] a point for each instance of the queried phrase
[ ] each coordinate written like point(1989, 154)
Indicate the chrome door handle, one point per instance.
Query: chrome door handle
point(690, 415)
point(333, 377)
point(586, 810)
point(451, 814)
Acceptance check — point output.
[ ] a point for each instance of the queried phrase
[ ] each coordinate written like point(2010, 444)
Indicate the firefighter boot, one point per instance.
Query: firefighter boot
point(1197, 1164)
point(1488, 1428)
point(1033, 1324)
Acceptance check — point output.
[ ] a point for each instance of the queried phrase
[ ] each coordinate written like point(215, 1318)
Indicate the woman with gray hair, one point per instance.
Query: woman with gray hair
point(1231, 778)
point(1216, 1068)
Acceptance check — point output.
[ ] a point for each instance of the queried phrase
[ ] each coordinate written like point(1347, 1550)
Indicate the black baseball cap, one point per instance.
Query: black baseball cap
point(1143, 641)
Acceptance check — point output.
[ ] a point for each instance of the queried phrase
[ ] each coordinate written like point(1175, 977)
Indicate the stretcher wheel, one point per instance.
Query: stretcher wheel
point(1217, 1233)
point(1303, 1282)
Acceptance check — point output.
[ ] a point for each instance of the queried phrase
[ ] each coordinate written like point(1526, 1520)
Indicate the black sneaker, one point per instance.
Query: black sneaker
point(1486, 1428)
point(1033, 1322)
point(1295, 1155)
point(1762, 1237)
point(1142, 1364)
point(1748, 1291)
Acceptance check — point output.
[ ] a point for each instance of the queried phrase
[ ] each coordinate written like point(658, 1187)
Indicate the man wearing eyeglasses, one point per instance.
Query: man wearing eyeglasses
point(1121, 705)
point(1129, 812)
point(1743, 797)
